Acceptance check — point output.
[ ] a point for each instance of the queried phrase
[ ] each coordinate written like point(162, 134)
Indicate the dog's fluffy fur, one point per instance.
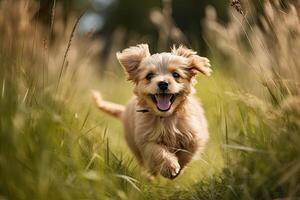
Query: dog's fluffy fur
point(163, 128)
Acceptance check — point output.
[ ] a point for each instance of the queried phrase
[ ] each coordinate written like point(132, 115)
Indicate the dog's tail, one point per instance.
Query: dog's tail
point(113, 109)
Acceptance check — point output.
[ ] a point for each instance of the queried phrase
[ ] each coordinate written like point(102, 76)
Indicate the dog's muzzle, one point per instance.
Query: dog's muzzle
point(163, 101)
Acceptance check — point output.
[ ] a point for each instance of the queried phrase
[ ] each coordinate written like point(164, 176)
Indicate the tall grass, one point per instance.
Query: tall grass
point(47, 150)
point(263, 145)
point(55, 145)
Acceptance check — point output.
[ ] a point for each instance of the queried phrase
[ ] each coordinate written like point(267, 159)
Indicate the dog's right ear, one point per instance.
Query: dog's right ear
point(131, 58)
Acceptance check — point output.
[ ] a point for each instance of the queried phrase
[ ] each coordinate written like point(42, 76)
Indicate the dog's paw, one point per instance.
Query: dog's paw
point(170, 169)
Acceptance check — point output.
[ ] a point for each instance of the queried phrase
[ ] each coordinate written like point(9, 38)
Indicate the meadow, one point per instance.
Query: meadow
point(55, 144)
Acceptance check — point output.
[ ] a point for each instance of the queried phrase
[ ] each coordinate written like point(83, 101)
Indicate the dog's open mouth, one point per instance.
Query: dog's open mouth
point(163, 101)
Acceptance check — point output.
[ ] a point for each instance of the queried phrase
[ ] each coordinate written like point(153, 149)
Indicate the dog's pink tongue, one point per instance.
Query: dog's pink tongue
point(163, 101)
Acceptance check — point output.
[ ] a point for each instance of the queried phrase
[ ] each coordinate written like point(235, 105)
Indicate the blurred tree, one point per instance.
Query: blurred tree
point(133, 16)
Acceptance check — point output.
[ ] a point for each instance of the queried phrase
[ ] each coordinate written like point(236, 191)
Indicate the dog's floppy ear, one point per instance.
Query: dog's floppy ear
point(131, 58)
point(196, 63)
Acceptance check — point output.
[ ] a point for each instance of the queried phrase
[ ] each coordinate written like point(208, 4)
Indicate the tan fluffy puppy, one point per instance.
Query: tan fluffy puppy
point(164, 124)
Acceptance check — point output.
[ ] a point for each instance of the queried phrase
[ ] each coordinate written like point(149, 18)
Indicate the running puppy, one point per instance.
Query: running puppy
point(164, 124)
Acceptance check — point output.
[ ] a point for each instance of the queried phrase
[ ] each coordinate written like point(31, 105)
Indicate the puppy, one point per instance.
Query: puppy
point(164, 124)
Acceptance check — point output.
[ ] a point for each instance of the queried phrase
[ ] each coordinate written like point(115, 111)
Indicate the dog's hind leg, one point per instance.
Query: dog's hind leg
point(113, 109)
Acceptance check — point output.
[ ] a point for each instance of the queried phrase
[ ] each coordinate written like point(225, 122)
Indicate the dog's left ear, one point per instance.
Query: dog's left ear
point(196, 63)
point(131, 58)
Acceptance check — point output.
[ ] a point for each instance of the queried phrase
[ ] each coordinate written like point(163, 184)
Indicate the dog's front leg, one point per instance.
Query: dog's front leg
point(159, 159)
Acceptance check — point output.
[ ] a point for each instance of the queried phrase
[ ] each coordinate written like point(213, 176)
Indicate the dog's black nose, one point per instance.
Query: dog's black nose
point(163, 85)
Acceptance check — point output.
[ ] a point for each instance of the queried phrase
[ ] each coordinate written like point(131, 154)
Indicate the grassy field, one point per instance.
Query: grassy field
point(54, 143)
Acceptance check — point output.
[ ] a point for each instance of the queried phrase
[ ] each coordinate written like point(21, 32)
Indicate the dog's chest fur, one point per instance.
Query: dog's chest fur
point(173, 132)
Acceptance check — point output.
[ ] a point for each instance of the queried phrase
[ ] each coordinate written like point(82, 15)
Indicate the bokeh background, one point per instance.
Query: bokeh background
point(54, 143)
point(141, 21)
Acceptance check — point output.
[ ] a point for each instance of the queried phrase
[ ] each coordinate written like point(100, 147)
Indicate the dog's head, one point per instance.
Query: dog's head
point(163, 80)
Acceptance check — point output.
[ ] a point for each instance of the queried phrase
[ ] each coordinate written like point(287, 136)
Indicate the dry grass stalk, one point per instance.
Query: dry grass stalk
point(68, 48)
point(237, 5)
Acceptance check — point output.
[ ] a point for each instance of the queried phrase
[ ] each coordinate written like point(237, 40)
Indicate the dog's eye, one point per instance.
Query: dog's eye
point(149, 76)
point(175, 75)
